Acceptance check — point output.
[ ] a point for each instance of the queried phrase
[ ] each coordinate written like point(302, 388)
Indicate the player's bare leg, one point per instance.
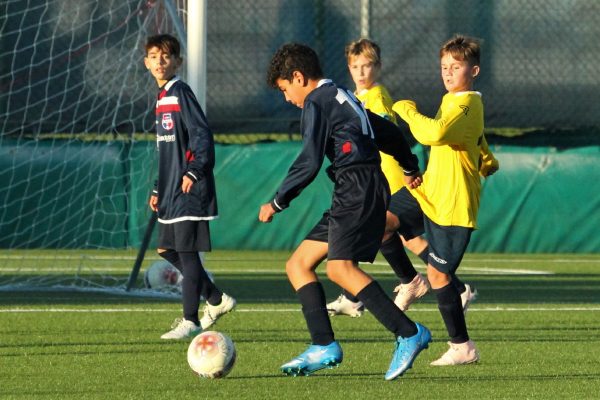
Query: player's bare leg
point(300, 267)
point(324, 352)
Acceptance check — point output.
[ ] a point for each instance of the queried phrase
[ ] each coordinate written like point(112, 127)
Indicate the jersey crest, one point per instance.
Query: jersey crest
point(167, 121)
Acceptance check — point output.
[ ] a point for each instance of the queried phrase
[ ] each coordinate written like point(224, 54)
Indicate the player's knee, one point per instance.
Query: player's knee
point(293, 266)
point(337, 272)
point(392, 223)
point(386, 236)
point(437, 279)
point(332, 274)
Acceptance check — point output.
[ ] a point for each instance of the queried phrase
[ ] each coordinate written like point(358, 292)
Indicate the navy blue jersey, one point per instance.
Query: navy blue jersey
point(185, 147)
point(335, 125)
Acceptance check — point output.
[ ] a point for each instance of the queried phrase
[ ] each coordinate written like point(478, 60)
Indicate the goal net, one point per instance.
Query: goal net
point(77, 152)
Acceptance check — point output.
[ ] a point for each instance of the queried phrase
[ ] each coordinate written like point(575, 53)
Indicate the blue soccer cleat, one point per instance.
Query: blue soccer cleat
point(313, 359)
point(407, 349)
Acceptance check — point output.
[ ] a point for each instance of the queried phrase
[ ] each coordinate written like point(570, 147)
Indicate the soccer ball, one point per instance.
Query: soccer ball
point(211, 354)
point(162, 274)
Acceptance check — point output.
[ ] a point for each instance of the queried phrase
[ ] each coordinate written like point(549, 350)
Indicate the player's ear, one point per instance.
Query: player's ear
point(474, 70)
point(298, 77)
point(146, 62)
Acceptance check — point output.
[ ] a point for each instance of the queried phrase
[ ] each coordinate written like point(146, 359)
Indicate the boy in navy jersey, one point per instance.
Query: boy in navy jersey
point(334, 124)
point(184, 195)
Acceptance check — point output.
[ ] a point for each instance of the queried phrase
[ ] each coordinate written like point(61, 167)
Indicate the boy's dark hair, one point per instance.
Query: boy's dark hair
point(462, 48)
point(167, 43)
point(293, 57)
point(366, 47)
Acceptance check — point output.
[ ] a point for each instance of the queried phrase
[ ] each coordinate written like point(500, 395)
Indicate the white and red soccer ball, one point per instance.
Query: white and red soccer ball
point(211, 354)
point(162, 274)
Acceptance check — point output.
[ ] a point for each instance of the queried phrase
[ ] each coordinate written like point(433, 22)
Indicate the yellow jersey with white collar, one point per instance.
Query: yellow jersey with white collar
point(378, 100)
point(451, 187)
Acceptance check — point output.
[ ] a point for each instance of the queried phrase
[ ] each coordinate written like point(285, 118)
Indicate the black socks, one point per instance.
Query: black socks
point(386, 312)
point(195, 283)
point(453, 315)
point(394, 253)
point(314, 308)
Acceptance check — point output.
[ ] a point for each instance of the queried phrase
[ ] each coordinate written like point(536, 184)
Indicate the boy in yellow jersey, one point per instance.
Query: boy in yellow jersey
point(364, 63)
point(447, 202)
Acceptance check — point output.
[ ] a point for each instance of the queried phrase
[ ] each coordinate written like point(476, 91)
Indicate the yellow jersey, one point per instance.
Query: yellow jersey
point(451, 187)
point(378, 101)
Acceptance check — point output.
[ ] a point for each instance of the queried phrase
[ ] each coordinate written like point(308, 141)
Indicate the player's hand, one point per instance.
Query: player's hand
point(186, 184)
point(413, 181)
point(153, 203)
point(492, 170)
point(266, 213)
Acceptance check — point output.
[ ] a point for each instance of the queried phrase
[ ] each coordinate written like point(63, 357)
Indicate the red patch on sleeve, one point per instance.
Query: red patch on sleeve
point(346, 147)
point(189, 156)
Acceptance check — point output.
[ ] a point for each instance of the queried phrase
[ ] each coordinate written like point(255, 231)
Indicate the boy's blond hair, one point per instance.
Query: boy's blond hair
point(367, 48)
point(462, 48)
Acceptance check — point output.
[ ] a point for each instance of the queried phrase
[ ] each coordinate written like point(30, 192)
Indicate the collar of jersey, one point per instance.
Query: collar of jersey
point(468, 92)
point(324, 82)
point(171, 82)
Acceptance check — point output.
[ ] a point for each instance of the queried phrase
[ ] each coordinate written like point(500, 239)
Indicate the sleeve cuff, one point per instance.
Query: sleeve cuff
point(192, 176)
point(276, 206)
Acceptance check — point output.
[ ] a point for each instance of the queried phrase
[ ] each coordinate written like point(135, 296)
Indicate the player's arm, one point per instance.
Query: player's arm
point(201, 152)
point(448, 129)
point(306, 166)
point(390, 139)
point(488, 164)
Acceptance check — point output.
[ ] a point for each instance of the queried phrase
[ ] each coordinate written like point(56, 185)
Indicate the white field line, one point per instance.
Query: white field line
point(225, 271)
point(279, 310)
point(501, 271)
point(210, 259)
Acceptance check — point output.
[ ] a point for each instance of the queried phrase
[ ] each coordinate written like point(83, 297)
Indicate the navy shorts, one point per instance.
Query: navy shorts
point(447, 244)
point(407, 209)
point(354, 225)
point(184, 236)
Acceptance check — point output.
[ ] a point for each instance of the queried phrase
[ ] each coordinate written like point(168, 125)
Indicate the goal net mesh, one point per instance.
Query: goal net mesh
point(76, 172)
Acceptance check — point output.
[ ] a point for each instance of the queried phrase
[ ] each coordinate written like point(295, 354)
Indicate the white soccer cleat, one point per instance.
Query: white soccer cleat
point(458, 354)
point(213, 313)
point(468, 296)
point(182, 329)
point(409, 292)
point(344, 306)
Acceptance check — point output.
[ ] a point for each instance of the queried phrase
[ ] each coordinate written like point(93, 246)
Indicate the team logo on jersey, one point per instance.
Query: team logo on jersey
point(167, 121)
point(465, 109)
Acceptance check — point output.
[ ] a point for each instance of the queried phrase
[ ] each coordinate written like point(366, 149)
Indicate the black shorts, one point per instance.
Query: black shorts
point(354, 225)
point(184, 236)
point(447, 244)
point(407, 209)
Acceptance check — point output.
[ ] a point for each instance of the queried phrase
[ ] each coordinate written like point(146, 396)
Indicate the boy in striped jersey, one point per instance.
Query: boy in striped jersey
point(184, 195)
